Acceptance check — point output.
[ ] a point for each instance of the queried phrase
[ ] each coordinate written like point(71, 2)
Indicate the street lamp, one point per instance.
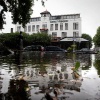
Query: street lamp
point(21, 41)
point(73, 44)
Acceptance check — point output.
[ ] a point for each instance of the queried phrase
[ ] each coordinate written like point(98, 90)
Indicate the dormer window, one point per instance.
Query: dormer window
point(43, 15)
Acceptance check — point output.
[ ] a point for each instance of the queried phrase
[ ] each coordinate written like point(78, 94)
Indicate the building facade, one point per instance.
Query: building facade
point(58, 25)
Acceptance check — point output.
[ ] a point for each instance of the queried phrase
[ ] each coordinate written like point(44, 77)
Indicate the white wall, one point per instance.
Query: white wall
point(46, 20)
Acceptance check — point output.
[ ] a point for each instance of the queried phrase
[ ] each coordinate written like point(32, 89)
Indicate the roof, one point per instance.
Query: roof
point(73, 39)
point(67, 15)
point(45, 12)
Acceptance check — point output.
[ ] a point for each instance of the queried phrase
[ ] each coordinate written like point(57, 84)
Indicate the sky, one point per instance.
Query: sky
point(88, 9)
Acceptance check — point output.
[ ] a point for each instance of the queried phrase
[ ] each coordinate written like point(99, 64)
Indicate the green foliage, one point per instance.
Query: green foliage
point(96, 38)
point(69, 49)
point(77, 65)
point(2, 15)
point(41, 38)
point(87, 37)
point(11, 40)
point(21, 11)
point(73, 46)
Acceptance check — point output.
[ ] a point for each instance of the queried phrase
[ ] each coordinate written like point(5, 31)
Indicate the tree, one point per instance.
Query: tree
point(40, 38)
point(11, 40)
point(96, 38)
point(20, 10)
point(87, 37)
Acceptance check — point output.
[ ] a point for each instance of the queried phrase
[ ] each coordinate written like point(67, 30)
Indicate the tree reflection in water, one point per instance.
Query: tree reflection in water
point(97, 65)
point(17, 90)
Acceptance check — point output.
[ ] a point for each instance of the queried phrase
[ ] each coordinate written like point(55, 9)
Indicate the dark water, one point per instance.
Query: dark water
point(30, 75)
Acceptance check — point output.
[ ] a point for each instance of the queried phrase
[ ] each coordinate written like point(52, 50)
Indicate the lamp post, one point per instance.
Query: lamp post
point(73, 44)
point(20, 48)
point(79, 43)
point(21, 41)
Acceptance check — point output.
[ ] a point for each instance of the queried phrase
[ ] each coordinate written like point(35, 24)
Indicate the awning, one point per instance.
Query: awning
point(73, 39)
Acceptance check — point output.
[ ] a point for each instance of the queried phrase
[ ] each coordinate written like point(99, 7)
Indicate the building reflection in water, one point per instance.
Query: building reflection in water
point(50, 79)
point(55, 75)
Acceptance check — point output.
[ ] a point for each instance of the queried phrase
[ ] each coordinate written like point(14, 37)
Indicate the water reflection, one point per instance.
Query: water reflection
point(17, 90)
point(97, 63)
point(37, 75)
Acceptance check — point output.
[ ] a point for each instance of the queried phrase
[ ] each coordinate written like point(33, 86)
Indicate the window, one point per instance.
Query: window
point(18, 28)
point(64, 34)
point(43, 15)
point(56, 26)
point(54, 34)
point(33, 19)
point(33, 28)
point(25, 29)
point(65, 17)
point(68, 17)
point(44, 26)
point(77, 16)
point(61, 26)
point(75, 34)
point(73, 16)
point(30, 20)
point(53, 18)
point(37, 27)
point(51, 27)
point(66, 26)
point(75, 26)
point(29, 28)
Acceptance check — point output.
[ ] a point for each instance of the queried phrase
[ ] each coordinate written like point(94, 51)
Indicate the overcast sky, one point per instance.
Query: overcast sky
point(88, 9)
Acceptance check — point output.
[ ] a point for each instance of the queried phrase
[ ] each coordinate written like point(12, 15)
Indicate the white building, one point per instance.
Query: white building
point(57, 25)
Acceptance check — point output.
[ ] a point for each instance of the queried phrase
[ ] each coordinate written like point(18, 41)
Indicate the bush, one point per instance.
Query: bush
point(12, 40)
